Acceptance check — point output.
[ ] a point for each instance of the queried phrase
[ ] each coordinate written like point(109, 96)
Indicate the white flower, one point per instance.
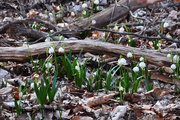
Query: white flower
point(122, 61)
point(98, 8)
point(73, 14)
point(48, 65)
point(168, 55)
point(142, 65)
point(173, 66)
point(141, 59)
point(116, 28)
point(61, 50)
point(84, 12)
point(51, 50)
point(48, 39)
point(32, 85)
point(84, 5)
point(93, 22)
point(20, 94)
point(121, 88)
point(25, 44)
point(95, 73)
point(129, 55)
point(176, 59)
point(96, 2)
point(136, 69)
point(52, 18)
point(35, 61)
point(121, 29)
point(166, 24)
point(77, 67)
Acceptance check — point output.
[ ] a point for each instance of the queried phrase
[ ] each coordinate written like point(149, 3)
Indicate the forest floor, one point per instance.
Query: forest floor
point(87, 85)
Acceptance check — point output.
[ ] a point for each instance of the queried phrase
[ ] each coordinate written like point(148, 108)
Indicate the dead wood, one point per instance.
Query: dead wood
point(22, 54)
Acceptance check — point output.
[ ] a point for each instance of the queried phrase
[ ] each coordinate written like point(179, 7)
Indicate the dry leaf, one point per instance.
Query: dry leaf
point(99, 99)
point(5, 91)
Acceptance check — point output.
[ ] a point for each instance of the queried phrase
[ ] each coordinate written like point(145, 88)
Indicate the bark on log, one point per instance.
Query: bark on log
point(22, 54)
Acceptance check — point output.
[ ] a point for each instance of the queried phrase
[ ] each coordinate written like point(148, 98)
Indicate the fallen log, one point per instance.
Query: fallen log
point(23, 54)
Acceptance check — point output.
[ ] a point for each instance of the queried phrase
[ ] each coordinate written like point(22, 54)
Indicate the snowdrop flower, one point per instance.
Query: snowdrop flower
point(93, 22)
point(61, 50)
point(122, 61)
point(129, 55)
point(173, 66)
point(48, 65)
point(36, 61)
point(96, 2)
point(77, 68)
point(176, 59)
point(84, 5)
point(32, 85)
point(51, 50)
point(121, 88)
point(84, 12)
point(141, 59)
point(48, 39)
point(20, 94)
point(25, 44)
point(116, 28)
point(95, 73)
point(73, 14)
point(142, 65)
point(166, 24)
point(98, 8)
point(136, 69)
point(52, 18)
point(121, 29)
point(168, 55)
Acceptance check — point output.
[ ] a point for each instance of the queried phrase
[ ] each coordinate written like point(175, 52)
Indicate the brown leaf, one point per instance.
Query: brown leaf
point(132, 98)
point(99, 99)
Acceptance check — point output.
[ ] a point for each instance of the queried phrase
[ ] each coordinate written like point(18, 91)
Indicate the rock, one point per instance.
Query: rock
point(3, 76)
point(118, 112)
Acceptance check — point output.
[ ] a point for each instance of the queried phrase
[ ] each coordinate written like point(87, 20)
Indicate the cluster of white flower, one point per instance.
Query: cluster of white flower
point(175, 59)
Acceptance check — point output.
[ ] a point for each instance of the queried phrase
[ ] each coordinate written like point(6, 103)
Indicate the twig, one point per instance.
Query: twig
point(139, 36)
